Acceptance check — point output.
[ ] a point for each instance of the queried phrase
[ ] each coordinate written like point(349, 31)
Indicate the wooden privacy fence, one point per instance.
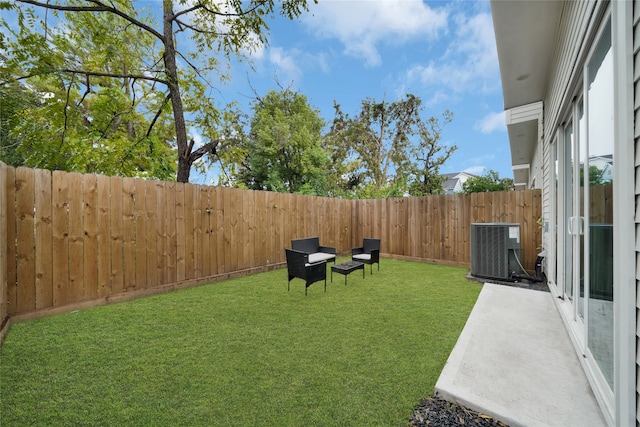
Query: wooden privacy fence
point(73, 238)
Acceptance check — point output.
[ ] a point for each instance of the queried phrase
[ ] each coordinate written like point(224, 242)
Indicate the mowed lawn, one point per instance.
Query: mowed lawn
point(243, 352)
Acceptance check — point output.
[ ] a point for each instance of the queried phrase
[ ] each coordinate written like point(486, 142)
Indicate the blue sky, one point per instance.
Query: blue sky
point(349, 50)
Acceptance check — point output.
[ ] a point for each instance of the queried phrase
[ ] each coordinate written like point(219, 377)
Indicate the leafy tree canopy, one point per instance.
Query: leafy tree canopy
point(283, 149)
point(116, 65)
point(489, 181)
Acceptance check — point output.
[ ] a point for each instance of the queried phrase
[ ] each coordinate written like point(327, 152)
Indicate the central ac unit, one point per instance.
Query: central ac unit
point(495, 250)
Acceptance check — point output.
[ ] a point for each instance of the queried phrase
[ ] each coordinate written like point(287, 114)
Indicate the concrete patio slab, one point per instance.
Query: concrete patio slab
point(514, 361)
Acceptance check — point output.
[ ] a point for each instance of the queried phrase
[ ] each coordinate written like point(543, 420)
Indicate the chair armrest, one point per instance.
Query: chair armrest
point(375, 255)
point(357, 251)
point(317, 268)
point(327, 250)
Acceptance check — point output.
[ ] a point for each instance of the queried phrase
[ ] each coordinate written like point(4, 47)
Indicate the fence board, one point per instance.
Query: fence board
point(140, 212)
point(151, 227)
point(43, 232)
point(128, 234)
point(25, 248)
point(205, 212)
point(197, 232)
point(104, 256)
point(219, 234)
point(3, 241)
point(60, 240)
point(115, 227)
point(180, 232)
point(74, 282)
point(248, 217)
point(90, 216)
point(213, 242)
point(12, 280)
point(171, 244)
point(189, 226)
point(161, 233)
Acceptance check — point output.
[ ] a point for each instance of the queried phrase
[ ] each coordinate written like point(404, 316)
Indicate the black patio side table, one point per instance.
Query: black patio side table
point(345, 268)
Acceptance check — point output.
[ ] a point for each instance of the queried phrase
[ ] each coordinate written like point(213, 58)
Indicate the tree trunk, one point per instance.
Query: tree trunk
point(171, 69)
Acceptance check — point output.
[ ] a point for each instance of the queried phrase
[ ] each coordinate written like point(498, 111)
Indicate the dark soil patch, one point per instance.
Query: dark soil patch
point(437, 412)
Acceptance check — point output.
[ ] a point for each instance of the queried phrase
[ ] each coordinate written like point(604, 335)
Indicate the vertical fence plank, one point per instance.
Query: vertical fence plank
point(233, 241)
point(213, 230)
point(3, 241)
point(140, 213)
point(247, 226)
point(181, 232)
point(90, 215)
point(75, 206)
point(219, 231)
point(151, 227)
point(12, 280)
point(197, 232)
point(115, 227)
point(60, 237)
point(205, 218)
point(43, 230)
point(128, 234)
point(189, 260)
point(104, 258)
point(161, 233)
point(25, 249)
point(171, 246)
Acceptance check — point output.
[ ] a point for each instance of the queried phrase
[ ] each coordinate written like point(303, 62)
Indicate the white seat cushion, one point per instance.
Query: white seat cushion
point(366, 257)
point(320, 256)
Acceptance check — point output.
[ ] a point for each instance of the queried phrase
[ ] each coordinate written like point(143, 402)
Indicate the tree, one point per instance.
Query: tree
point(387, 146)
point(430, 155)
point(283, 149)
point(489, 181)
point(227, 27)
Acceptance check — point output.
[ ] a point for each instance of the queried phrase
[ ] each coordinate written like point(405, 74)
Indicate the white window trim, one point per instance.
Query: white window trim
point(623, 216)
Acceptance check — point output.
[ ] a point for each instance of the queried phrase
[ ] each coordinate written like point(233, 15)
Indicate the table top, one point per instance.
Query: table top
point(347, 266)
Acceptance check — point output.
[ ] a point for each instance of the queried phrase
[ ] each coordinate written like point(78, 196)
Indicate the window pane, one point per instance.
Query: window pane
point(598, 170)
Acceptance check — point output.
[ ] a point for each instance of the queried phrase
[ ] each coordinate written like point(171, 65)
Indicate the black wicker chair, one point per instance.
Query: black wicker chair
point(368, 253)
point(298, 266)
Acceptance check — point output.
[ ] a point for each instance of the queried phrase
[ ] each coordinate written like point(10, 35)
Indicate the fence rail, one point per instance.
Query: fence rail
point(73, 238)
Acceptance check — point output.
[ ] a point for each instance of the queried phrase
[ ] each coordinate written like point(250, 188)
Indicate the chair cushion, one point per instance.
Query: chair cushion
point(366, 257)
point(320, 256)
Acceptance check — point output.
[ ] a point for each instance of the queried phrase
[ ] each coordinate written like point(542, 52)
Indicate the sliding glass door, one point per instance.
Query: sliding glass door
point(585, 207)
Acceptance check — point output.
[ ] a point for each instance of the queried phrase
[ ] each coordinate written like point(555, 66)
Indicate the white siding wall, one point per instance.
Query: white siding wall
point(636, 102)
point(569, 45)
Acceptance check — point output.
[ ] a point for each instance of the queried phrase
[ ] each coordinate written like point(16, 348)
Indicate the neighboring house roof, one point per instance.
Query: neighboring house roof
point(453, 181)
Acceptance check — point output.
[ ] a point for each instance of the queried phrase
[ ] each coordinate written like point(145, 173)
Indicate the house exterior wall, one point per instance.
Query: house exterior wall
point(576, 34)
point(571, 33)
point(636, 115)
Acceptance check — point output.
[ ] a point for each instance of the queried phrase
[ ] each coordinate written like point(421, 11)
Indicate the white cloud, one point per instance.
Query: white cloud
point(491, 122)
point(475, 170)
point(361, 25)
point(285, 64)
point(470, 61)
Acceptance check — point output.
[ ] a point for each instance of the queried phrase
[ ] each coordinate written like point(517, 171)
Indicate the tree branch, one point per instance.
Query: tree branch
point(115, 75)
point(100, 7)
point(155, 118)
point(208, 148)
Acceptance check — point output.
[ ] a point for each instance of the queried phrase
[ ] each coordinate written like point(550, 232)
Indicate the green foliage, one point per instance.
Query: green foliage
point(389, 148)
point(430, 155)
point(79, 50)
point(283, 148)
point(243, 352)
point(90, 123)
point(489, 181)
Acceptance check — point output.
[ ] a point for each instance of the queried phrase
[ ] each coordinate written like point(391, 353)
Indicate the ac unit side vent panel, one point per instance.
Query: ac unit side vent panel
point(493, 250)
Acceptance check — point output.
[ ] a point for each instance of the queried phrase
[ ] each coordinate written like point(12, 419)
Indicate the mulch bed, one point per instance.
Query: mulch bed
point(438, 412)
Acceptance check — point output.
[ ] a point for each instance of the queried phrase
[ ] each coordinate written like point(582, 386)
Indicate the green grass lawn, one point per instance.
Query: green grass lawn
point(243, 352)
